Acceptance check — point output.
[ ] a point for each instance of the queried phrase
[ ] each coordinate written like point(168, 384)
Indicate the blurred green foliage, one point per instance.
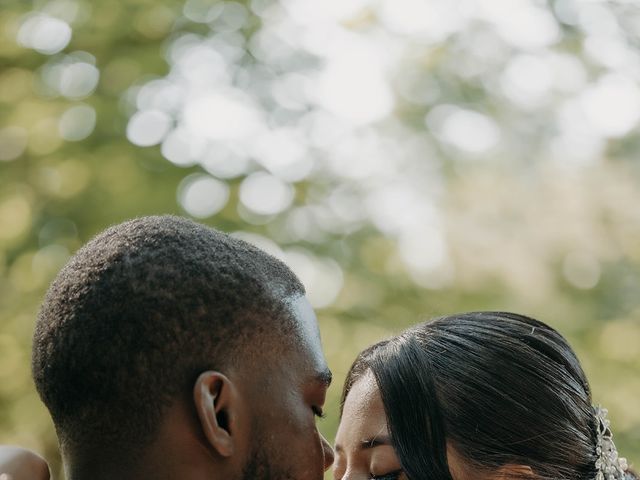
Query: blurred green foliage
point(558, 242)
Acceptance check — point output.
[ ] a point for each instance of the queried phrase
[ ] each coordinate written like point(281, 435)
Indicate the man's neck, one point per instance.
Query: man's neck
point(177, 452)
point(163, 470)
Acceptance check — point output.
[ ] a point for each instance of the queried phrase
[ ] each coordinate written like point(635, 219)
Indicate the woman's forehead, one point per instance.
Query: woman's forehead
point(363, 416)
point(365, 393)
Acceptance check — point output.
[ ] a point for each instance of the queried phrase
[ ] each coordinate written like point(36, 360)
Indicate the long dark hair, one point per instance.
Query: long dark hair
point(501, 388)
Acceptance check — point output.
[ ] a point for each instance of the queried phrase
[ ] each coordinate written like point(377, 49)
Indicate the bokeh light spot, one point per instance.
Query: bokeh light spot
point(354, 86)
point(322, 277)
point(15, 217)
point(13, 143)
point(202, 11)
point(78, 80)
point(265, 194)
point(221, 116)
point(182, 148)
point(44, 33)
point(581, 269)
point(467, 130)
point(77, 123)
point(148, 127)
point(202, 196)
point(612, 105)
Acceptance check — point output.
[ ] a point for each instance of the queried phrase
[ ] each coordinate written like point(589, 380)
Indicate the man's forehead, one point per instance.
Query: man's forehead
point(309, 334)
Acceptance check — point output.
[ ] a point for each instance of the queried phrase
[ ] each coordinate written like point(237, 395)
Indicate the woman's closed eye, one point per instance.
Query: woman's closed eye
point(395, 475)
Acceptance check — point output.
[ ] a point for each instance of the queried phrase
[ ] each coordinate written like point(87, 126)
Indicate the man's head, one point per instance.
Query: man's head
point(162, 329)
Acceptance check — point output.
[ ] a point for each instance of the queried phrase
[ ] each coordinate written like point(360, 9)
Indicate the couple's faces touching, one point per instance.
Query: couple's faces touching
point(285, 389)
point(282, 391)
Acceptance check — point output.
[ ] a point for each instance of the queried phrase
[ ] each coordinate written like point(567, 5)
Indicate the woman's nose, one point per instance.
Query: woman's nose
point(350, 474)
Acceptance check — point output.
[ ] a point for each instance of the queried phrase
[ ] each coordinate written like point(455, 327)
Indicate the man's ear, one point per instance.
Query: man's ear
point(217, 401)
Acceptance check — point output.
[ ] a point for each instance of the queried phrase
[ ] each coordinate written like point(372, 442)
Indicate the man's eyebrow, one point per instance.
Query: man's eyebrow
point(325, 377)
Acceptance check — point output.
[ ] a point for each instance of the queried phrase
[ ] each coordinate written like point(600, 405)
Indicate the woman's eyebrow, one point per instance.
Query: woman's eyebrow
point(375, 442)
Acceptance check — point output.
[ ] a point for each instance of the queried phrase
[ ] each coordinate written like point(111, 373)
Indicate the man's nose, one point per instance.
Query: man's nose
point(328, 453)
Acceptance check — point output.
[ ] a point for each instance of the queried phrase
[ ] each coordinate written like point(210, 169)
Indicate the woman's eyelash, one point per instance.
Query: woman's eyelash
point(387, 476)
point(317, 411)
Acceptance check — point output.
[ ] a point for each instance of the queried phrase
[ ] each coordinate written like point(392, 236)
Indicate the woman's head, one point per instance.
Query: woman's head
point(476, 395)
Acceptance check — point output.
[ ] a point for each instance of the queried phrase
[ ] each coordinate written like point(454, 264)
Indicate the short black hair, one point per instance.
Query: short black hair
point(502, 388)
point(138, 313)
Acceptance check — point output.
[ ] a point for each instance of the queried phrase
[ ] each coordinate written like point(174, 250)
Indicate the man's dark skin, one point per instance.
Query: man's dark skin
point(193, 444)
point(167, 350)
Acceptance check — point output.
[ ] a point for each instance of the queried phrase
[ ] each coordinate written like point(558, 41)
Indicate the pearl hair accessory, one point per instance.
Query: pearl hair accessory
point(610, 466)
